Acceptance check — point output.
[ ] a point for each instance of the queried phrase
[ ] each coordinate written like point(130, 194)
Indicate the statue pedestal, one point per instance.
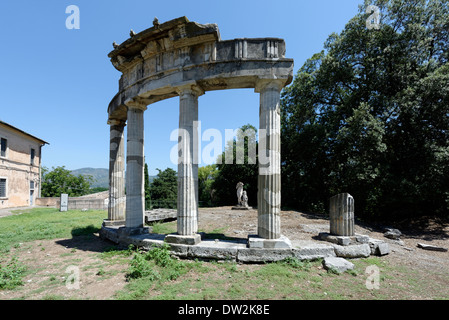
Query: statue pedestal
point(241, 208)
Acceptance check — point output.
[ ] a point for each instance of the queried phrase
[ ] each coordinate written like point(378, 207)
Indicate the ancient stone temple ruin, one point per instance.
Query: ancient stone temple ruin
point(184, 59)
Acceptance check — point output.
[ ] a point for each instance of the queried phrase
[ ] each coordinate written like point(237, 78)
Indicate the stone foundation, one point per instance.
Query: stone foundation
point(238, 251)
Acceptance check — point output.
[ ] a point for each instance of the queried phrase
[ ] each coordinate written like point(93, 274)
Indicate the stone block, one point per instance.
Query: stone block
point(109, 233)
point(212, 252)
point(114, 223)
point(393, 234)
point(340, 240)
point(263, 255)
point(125, 231)
point(260, 243)
point(313, 251)
point(353, 251)
point(188, 240)
point(383, 249)
point(361, 238)
point(378, 247)
point(179, 250)
point(431, 248)
point(336, 264)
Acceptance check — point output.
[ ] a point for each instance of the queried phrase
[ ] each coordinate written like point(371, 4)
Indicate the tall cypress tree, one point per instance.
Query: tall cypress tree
point(147, 189)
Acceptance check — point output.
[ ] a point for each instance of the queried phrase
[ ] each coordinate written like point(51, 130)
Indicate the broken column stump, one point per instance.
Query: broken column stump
point(341, 212)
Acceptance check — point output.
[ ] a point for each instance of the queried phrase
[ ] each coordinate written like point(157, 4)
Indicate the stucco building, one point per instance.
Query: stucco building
point(20, 167)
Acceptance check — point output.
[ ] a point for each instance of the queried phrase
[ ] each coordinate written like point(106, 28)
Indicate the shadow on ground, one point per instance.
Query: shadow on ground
point(87, 239)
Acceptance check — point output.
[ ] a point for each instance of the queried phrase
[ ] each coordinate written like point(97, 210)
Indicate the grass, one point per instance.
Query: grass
point(46, 224)
point(164, 228)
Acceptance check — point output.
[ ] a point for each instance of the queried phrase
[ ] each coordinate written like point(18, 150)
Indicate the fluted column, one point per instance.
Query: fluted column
point(341, 214)
point(117, 199)
point(135, 197)
point(269, 185)
point(187, 161)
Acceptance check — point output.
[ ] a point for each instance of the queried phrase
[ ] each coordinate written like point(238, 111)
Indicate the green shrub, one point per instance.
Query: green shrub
point(160, 255)
point(296, 263)
point(155, 264)
point(11, 274)
point(140, 268)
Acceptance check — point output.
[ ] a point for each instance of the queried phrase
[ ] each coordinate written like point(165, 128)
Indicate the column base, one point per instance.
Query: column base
point(256, 242)
point(178, 239)
point(113, 223)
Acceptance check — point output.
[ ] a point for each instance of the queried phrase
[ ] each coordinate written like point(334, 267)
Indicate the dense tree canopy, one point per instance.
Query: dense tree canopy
point(61, 180)
point(206, 178)
point(164, 189)
point(243, 167)
point(369, 115)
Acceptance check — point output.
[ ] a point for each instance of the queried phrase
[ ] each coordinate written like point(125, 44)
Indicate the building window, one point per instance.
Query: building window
point(4, 145)
point(31, 185)
point(2, 188)
point(33, 153)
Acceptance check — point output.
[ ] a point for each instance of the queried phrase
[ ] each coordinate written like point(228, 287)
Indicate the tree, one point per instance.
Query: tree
point(164, 189)
point(206, 178)
point(369, 115)
point(61, 180)
point(244, 170)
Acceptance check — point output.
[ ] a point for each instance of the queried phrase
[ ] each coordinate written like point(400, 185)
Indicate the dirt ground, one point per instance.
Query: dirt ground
point(100, 279)
point(301, 226)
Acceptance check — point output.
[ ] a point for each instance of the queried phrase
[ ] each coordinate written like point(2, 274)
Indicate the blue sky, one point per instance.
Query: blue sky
point(56, 83)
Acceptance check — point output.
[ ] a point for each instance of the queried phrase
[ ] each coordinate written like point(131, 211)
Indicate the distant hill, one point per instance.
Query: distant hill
point(101, 176)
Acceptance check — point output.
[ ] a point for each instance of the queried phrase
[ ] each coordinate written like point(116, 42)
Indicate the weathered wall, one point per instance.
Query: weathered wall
point(47, 202)
point(96, 201)
point(89, 204)
point(16, 167)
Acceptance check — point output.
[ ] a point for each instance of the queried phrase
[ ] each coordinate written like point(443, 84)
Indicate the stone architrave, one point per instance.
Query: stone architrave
point(341, 213)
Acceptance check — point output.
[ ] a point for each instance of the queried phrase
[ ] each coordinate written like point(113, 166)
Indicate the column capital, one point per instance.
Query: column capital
point(137, 103)
point(117, 122)
point(190, 88)
point(267, 84)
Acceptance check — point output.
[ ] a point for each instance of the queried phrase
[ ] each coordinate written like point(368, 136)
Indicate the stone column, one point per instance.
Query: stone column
point(187, 217)
point(269, 185)
point(135, 197)
point(341, 214)
point(117, 199)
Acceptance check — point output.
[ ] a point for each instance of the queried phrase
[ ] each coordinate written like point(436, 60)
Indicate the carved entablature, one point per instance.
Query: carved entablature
point(172, 38)
point(156, 61)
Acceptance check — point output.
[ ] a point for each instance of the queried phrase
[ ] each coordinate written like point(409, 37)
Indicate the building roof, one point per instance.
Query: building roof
point(21, 131)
